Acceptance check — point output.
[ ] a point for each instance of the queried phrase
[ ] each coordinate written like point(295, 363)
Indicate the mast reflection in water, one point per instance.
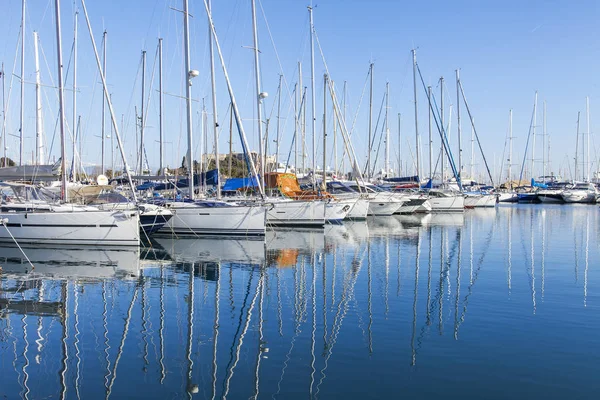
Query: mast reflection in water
point(486, 304)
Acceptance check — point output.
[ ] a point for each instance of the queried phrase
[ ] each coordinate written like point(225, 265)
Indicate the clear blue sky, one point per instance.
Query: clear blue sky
point(505, 50)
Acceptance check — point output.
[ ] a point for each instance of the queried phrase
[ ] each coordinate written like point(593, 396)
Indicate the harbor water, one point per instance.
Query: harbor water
point(492, 303)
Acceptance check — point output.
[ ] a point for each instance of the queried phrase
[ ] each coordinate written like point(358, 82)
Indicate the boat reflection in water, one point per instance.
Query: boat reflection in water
point(304, 313)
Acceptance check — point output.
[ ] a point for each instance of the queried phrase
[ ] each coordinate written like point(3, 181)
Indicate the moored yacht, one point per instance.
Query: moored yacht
point(581, 193)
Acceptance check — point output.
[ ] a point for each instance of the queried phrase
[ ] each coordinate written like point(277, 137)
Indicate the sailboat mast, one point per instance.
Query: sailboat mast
point(143, 109)
point(259, 97)
point(38, 104)
point(544, 143)
point(430, 138)
point(587, 147)
point(188, 98)
point(103, 124)
point(443, 128)
point(74, 150)
point(460, 165)
point(399, 145)
point(343, 123)
point(323, 184)
point(335, 157)
point(160, 107)
point(4, 163)
point(234, 107)
point(533, 135)
point(472, 150)
point(370, 121)
point(414, 54)
point(577, 145)
point(302, 118)
point(510, 147)
point(387, 129)
point(61, 103)
point(295, 129)
point(278, 123)
point(214, 105)
point(22, 115)
point(312, 87)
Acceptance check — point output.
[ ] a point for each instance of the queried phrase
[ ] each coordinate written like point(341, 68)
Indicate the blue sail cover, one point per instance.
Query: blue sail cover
point(240, 183)
point(538, 184)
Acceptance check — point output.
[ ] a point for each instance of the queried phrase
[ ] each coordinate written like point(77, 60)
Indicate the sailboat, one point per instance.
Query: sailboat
point(208, 217)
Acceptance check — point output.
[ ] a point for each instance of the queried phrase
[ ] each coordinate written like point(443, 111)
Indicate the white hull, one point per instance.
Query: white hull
point(108, 228)
point(479, 201)
point(337, 209)
point(360, 210)
point(414, 205)
point(447, 204)
point(191, 219)
point(578, 196)
point(384, 204)
point(296, 213)
point(508, 197)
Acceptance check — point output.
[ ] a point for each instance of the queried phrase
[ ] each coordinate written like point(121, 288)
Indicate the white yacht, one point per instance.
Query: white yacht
point(381, 202)
point(446, 201)
point(214, 218)
point(29, 215)
point(581, 193)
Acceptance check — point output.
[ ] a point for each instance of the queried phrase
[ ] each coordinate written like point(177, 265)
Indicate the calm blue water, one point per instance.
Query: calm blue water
point(501, 303)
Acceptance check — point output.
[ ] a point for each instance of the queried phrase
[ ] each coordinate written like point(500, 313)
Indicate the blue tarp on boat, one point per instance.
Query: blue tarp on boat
point(240, 183)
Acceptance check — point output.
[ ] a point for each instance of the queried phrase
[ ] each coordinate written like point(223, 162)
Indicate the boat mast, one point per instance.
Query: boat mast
point(4, 164)
point(577, 144)
point(295, 129)
point(472, 150)
point(61, 103)
point(443, 128)
point(278, 123)
point(533, 135)
point(312, 86)
point(234, 108)
point(214, 105)
point(387, 129)
point(141, 153)
point(370, 121)
point(460, 166)
point(103, 125)
point(344, 122)
point(39, 155)
point(74, 150)
point(399, 145)
point(430, 139)
point(544, 143)
point(259, 97)
point(160, 107)
point(303, 117)
point(510, 148)
point(188, 97)
point(323, 184)
point(109, 102)
point(414, 54)
point(587, 147)
point(22, 115)
point(335, 157)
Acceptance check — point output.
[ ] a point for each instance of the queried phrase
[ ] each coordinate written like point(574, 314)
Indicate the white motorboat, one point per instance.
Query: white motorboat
point(381, 202)
point(360, 209)
point(215, 218)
